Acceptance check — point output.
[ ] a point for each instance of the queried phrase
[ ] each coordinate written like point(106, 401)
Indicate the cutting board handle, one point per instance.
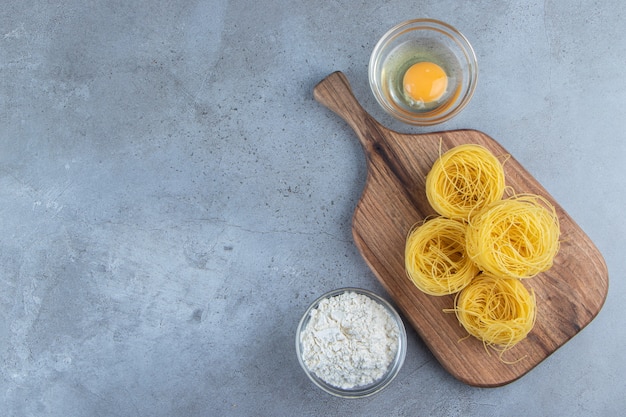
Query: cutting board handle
point(335, 92)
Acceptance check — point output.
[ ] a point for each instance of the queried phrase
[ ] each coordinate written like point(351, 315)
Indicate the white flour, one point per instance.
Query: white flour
point(349, 341)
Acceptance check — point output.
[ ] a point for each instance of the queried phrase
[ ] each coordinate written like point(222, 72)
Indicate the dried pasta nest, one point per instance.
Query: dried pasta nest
point(516, 237)
point(435, 257)
point(464, 180)
point(498, 311)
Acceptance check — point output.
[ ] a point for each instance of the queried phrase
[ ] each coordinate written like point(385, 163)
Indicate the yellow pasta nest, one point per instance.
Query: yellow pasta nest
point(464, 180)
point(498, 311)
point(435, 257)
point(517, 237)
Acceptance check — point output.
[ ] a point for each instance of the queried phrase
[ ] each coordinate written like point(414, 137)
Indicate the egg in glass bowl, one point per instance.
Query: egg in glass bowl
point(423, 71)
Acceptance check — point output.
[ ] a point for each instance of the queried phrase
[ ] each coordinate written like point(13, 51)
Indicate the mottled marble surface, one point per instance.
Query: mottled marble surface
point(172, 198)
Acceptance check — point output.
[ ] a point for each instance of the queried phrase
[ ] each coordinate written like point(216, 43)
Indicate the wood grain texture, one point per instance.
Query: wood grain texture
point(569, 295)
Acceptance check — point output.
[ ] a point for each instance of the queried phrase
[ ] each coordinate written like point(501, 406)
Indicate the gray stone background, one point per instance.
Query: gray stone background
point(172, 198)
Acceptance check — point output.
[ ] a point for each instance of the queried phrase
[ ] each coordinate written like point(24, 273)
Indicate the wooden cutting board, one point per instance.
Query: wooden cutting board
point(569, 295)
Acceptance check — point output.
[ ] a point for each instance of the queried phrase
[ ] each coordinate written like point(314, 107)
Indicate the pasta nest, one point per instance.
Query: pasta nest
point(498, 311)
point(435, 257)
point(517, 237)
point(464, 180)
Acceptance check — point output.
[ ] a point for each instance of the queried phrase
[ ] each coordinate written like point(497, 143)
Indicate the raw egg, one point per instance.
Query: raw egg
point(425, 82)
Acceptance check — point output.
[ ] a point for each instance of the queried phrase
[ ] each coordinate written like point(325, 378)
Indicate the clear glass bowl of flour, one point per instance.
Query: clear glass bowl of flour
point(351, 343)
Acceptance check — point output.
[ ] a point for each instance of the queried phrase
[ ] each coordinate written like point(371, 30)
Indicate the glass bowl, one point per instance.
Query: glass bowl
point(422, 40)
point(389, 374)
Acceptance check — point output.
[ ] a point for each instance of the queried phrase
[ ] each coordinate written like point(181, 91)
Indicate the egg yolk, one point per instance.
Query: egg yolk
point(425, 82)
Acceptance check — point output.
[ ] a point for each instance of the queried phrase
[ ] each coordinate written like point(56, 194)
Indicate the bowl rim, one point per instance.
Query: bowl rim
point(431, 117)
point(394, 366)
